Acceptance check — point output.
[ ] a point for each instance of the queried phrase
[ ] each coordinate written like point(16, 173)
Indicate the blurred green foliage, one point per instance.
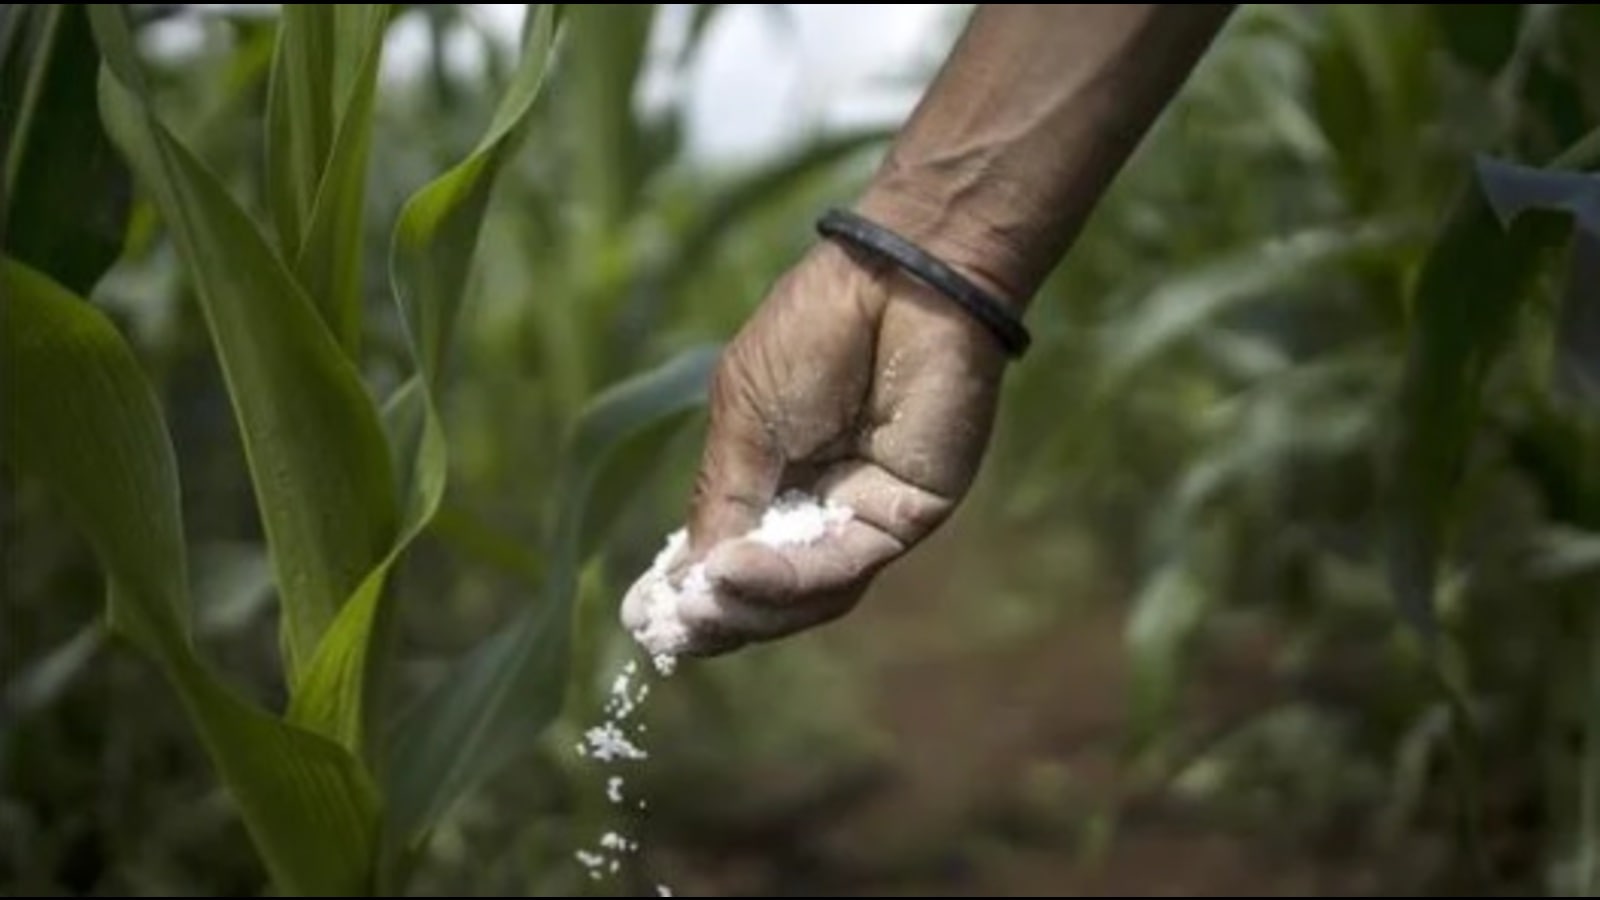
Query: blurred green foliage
point(1209, 441)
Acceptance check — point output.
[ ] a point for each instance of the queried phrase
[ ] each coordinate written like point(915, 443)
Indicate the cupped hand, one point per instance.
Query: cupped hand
point(852, 382)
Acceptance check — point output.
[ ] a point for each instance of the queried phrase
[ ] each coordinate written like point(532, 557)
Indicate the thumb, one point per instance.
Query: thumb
point(739, 468)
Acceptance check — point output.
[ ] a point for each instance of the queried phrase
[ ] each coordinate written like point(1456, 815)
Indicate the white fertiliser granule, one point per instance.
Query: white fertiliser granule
point(794, 519)
point(611, 742)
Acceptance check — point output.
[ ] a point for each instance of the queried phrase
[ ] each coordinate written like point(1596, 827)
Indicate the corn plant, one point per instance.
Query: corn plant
point(338, 793)
point(1381, 330)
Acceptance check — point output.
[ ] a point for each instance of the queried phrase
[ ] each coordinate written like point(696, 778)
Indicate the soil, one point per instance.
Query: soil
point(1007, 777)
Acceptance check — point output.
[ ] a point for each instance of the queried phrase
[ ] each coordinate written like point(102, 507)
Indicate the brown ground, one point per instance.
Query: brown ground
point(1006, 782)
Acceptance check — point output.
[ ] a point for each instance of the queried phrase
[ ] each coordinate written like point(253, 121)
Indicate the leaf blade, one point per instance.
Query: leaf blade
point(1179, 306)
point(66, 195)
point(83, 419)
point(432, 250)
point(310, 428)
point(438, 229)
point(1471, 282)
point(300, 117)
point(328, 259)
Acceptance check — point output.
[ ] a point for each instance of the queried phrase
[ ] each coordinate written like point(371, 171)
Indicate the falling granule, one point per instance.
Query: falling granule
point(592, 862)
point(794, 519)
point(607, 742)
point(615, 741)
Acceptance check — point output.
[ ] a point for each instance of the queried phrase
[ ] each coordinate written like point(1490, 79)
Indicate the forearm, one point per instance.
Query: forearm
point(1029, 120)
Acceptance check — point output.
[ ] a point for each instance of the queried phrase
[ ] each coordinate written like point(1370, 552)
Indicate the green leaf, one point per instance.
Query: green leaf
point(315, 447)
point(1181, 306)
point(1471, 283)
point(759, 189)
point(732, 209)
point(64, 203)
point(75, 395)
point(1559, 553)
point(310, 807)
point(601, 71)
point(333, 695)
point(500, 698)
point(328, 260)
point(1514, 191)
point(431, 254)
point(438, 228)
point(300, 118)
point(1166, 616)
point(481, 542)
point(82, 418)
point(39, 683)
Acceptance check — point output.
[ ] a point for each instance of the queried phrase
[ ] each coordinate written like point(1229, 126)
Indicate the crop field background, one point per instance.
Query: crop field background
point(353, 362)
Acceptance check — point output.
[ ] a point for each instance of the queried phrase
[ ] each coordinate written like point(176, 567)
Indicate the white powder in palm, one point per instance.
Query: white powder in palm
point(794, 519)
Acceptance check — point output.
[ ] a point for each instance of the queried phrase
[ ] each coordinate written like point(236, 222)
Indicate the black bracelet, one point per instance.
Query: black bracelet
point(1012, 334)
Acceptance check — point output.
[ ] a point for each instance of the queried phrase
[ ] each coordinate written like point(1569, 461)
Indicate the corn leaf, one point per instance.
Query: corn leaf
point(1472, 282)
point(72, 385)
point(500, 698)
point(438, 228)
point(82, 418)
point(312, 436)
point(64, 202)
point(433, 246)
point(1514, 191)
point(1166, 618)
point(1181, 306)
point(608, 44)
point(333, 695)
point(328, 258)
point(300, 118)
point(763, 188)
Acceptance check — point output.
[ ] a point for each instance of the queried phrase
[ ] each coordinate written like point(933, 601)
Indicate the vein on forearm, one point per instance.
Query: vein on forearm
point(1029, 120)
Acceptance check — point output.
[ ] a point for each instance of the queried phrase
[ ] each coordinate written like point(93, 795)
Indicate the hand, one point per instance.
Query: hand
point(852, 382)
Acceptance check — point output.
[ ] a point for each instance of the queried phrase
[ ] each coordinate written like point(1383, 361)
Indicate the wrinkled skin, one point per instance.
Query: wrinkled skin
point(856, 383)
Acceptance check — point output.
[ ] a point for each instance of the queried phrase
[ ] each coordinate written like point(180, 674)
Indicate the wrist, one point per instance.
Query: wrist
point(956, 232)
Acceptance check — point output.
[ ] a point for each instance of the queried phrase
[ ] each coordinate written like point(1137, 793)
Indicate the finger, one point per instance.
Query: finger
point(644, 597)
point(711, 638)
point(654, 607)
point(845, 559)
point(723, 621)
point(739, 468)
point(880, 498)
